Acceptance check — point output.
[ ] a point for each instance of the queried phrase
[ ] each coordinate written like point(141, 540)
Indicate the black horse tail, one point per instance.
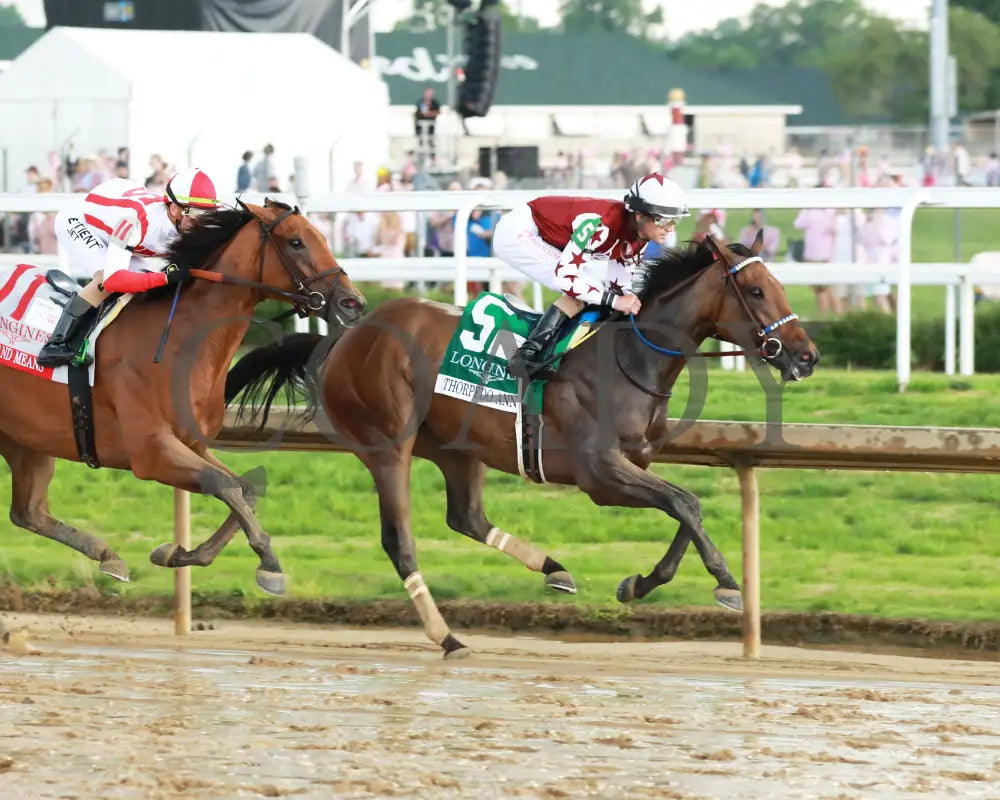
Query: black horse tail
point(291, 365)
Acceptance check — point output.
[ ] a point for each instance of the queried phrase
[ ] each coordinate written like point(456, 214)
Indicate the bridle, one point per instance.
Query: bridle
point(769, 346)
point(304, 301)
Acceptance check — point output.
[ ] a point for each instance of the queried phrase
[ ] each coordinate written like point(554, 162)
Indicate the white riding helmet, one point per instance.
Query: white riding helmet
point(193, 188)
point(657, 195)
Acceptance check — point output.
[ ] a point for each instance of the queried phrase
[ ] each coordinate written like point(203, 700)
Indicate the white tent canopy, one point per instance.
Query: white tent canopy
point(196, 99)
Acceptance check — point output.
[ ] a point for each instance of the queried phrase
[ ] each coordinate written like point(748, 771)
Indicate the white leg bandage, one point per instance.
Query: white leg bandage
point(528, 555)
point(434, 624)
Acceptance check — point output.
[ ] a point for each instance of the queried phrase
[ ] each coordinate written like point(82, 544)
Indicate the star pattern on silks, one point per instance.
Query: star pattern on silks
point(597, 236)
point(615, 287)
point(575, 260)
point(593, 289)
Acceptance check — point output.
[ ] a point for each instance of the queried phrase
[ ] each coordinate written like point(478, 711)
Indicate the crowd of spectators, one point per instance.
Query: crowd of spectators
point(817, 236)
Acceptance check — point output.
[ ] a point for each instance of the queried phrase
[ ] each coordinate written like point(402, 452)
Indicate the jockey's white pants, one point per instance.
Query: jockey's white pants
point(517, 243)
point(86, 249)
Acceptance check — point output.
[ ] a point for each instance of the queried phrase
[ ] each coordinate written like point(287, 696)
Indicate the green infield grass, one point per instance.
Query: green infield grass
point(885, 544)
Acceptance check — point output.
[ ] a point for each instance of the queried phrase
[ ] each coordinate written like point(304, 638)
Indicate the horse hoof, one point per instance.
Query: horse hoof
point(115, 568)
point(626, 589)
point(561, 581)
point(161, 555)
point(271, 582)
point(458, 654)
point(730, 599)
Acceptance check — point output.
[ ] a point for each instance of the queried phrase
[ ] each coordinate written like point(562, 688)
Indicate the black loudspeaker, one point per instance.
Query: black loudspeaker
point(481, 39)
point(516, 162)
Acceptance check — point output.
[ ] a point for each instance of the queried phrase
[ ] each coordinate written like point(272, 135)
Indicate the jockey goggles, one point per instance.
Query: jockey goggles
point(661, 221)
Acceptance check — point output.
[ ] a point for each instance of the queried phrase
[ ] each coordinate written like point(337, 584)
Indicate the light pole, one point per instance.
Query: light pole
point(941, 103)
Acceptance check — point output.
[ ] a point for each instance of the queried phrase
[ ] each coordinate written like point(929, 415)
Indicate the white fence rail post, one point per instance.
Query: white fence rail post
point(967, 326)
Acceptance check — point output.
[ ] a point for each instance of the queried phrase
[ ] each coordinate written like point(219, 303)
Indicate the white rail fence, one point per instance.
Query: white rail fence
point(958, 278)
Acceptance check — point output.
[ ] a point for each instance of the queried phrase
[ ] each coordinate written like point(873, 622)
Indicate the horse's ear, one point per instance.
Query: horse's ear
point(713, 247)
point(267, 202)
point(244, 206)
point(758, 243)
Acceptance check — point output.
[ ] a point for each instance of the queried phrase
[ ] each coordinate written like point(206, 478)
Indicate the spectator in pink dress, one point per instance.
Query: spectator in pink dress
point(819, 232)
point(772, 236)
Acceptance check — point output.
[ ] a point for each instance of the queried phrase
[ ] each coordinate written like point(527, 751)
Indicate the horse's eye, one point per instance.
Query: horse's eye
point(297, 244)
point(757, 293)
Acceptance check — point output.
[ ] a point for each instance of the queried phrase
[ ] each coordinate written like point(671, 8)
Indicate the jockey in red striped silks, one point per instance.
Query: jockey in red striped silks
point(112, 234)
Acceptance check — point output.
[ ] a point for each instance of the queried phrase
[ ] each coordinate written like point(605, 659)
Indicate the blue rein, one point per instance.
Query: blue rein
point(649, 344)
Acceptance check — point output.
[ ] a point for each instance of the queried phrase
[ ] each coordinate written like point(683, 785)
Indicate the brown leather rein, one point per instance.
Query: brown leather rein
point(302, 300)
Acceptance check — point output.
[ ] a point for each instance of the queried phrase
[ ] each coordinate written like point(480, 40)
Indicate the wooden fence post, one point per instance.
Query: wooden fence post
point(751, 561)
point(182, 576)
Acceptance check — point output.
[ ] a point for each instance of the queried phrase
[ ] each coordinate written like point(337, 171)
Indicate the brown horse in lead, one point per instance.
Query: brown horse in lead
point(605, 412)
point(156, 419)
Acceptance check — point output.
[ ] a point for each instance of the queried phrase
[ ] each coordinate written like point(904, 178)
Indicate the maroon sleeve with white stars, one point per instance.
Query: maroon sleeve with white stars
point(585, 229)
point(569, 271)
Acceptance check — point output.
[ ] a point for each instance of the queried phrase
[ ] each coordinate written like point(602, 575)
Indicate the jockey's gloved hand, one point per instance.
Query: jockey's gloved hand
point(174, 274)
point(626, 303)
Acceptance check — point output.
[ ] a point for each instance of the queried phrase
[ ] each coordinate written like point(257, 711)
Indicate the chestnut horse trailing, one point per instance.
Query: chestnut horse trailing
point(605, 411)
point(156, 419)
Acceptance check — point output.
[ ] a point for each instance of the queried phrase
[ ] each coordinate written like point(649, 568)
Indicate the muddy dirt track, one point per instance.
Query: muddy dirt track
point(117, 707)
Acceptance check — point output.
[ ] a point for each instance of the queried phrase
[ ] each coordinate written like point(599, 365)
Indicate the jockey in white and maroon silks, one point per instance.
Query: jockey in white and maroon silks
point(587, 249)
point(112, 234)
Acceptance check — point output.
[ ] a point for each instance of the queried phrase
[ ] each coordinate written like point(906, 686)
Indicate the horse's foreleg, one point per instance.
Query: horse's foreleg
point(391, 471)
point(169, 461)
point(173, 555)
point(464, 479)
point(612, 480)
point(31, 474)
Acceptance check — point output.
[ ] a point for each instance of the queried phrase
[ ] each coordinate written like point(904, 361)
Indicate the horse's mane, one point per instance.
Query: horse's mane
point(193, 249)
point(674, 267)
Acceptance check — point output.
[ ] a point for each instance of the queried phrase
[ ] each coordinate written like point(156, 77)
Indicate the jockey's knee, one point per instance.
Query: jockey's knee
point(570, 306)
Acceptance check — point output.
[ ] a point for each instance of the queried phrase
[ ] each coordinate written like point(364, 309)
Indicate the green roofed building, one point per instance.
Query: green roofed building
point(14, 40)
point(551, 84)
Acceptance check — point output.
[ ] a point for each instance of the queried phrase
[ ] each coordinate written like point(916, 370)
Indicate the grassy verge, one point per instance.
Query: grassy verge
point(885, 544)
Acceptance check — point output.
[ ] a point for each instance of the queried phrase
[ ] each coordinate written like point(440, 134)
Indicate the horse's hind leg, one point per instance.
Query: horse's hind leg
point(464, 479)
point(31, 474)
point(612, 480)
point(390, 468)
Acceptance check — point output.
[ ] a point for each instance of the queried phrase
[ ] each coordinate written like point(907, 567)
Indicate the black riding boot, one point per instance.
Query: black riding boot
point(65, 341)
point(526, 362)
